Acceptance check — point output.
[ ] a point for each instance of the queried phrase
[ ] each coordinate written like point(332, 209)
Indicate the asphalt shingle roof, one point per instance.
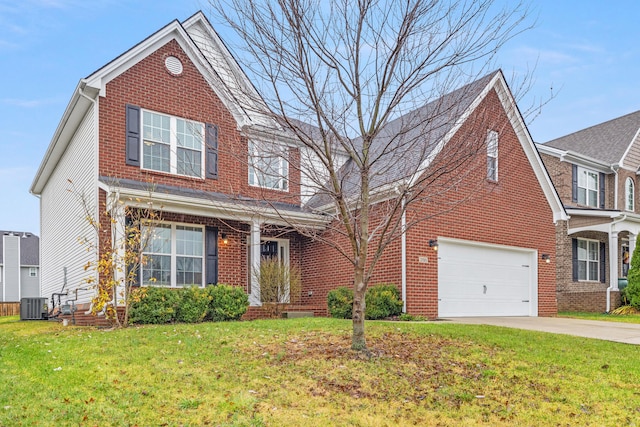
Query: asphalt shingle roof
point(396, 143)
point(606, 141)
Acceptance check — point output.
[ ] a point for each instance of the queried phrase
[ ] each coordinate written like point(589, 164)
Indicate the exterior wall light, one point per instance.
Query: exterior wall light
point(225, 239)
point(433, 244)
point(546, 258)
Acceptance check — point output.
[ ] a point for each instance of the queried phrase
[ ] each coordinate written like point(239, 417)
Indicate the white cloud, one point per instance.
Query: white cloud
point(27, 103)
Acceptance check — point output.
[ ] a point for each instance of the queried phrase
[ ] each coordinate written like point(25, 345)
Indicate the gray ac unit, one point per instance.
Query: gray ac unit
point(33, 308)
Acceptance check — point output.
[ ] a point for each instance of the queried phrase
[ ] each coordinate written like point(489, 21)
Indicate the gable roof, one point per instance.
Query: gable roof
point(205, 49)
point(396, 142)
point(435, 123)
point(607, 142)
point(29, 247)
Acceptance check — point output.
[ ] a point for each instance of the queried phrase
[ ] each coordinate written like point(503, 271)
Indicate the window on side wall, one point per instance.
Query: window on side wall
point(492, 155)
point(268, 167)
point(33, 272)
point(629, 195)
point(171, 144)
point(588, 260)
point(173, 256)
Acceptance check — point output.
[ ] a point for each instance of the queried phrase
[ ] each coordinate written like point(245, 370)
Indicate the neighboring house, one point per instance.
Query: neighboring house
point(175, 122)
point(595, 171)
point(19, 266)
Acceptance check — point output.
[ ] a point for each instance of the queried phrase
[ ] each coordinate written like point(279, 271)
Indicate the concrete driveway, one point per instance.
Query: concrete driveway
point(627, 333)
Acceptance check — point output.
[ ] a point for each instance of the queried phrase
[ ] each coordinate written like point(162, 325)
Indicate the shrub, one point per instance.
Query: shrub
point(280, 284)
point(632, 291)
point(340, 302)
point(382, 301)
point(193, 305)
point(226, 303)
point(155, 306)
point(406, 317)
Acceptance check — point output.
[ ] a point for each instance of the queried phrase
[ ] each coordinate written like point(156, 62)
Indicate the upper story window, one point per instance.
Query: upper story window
point(588, 187)
point(629, 195)
point(492, 155)
point(268, 168)
point(171, 144)
point(33, 272)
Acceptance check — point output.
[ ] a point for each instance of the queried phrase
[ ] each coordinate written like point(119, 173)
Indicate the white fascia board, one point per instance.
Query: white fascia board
point(71, 119)
point(587, 162)
point(517, 122)
point(594, 213)
point(209, 208)
point(276, 135)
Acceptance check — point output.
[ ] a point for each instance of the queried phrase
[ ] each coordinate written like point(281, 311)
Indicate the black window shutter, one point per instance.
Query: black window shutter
point(574, 258)
point(574, 184)
point(603, 264)
point(135, 275)
point(211, 260)
point(602, 192)
point(211, 148)
point(133, 135)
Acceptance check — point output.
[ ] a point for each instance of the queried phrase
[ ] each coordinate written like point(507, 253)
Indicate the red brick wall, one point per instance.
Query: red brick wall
point(150, 86)
point(512, 211)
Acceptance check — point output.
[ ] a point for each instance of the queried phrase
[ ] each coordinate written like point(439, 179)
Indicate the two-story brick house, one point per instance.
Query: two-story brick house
point(176, 123)
point(595, 172)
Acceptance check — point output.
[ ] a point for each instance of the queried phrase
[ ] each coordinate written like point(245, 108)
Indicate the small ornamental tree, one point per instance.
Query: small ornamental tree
point(118, 244)
point(633, 289)
point(280, 285)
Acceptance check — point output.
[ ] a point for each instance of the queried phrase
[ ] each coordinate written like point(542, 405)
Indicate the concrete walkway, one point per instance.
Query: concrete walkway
point(627, 333)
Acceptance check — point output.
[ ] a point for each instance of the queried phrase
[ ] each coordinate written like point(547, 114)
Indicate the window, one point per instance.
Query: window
point(629, 192)
point(172, 145)
point(587, 187)
point(173, 255)
point(492, 155)
point(33, 272)
point(588, 260)
point(268, 169)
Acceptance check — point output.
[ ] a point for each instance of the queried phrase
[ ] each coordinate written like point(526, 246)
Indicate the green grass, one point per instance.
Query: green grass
point(627, 318)
point(301, 372)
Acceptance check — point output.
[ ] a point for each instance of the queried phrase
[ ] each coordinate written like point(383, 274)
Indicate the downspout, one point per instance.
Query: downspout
point(403, 244)
point(615, 168)
point(611, 266)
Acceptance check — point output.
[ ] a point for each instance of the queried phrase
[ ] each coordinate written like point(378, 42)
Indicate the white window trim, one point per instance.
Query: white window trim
point(629, 195)
point(174, 254)
point(492, 153)
point(580, 171)
point(33, 272)
point(589, 279)
point(173, 145)
point(283, 167)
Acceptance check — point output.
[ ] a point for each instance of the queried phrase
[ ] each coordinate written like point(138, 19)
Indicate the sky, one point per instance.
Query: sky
point(585, 58)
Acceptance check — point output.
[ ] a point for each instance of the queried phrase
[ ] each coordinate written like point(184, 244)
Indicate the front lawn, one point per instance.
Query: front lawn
point(627, 318)
point(301, 372)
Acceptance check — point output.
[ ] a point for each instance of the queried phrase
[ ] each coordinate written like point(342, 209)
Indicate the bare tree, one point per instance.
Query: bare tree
point(359, 86)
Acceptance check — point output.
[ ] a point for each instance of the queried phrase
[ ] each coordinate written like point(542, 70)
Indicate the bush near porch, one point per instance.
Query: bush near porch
point(156, 305)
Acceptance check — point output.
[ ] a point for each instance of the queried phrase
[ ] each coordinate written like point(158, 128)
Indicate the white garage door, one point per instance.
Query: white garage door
point(485, 280)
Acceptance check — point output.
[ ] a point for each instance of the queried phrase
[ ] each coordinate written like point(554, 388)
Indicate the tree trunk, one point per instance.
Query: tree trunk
point(358, 340)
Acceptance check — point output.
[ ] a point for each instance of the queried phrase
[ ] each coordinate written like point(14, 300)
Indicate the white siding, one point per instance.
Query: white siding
point(63, 219)
point(232, 77)
point(313, 174)
point(11, 262)
point(29, 286)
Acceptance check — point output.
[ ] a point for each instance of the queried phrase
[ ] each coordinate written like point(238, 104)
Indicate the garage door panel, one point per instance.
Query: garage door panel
point(483, 280)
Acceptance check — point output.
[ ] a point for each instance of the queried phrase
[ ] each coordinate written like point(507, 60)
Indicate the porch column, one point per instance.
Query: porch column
point(254, 265)
point(632, 245)
point(613, 260)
